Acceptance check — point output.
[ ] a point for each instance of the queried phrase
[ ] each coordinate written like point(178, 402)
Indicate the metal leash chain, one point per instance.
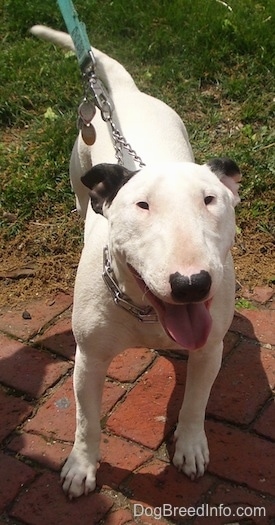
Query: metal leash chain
point(96, 95)
point(95, 92)
point(119, 143)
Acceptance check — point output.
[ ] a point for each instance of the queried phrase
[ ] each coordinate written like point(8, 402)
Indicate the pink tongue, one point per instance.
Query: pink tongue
point(189, 324)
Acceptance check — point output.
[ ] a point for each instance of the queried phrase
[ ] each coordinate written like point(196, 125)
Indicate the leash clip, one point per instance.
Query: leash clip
point(79, 36)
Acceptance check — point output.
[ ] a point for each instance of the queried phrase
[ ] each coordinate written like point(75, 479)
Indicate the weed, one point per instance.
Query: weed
point(244, 304)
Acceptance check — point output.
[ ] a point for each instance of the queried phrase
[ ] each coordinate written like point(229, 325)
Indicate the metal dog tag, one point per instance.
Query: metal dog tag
point(88, 134)
point(86, 111)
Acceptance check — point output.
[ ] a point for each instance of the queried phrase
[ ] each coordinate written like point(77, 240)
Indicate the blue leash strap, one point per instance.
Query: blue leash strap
point(79, 36)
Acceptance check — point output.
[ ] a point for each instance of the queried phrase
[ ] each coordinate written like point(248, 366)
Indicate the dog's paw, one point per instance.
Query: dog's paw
point(191, 453)
point(78, 476)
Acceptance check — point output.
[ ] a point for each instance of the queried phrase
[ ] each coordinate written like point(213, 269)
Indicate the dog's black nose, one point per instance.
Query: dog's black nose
point(189, 289)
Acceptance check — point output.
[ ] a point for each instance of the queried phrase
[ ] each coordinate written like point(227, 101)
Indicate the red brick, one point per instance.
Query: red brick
point(120, 517)
point(130, 364)
point(231, 339)
point(241, 457)
point(50, 453)
point(271, 304)
point(263, 294)
point(14, 474)
point(149, 520)
point(13, 411)
point(41, 311)
point(28, 369)
point(260, 294)
point(56, 418)
point(266, 423)
point(159, 483)
point(59, 338)
point(112, 393)
point(142, 416)
point(235, 499)
point(256, 324)
point(45, 504)
point(243, 384)
point(119, 458)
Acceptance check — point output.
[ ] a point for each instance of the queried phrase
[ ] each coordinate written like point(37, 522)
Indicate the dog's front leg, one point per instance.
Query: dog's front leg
point(79, 472)
point(191, 452)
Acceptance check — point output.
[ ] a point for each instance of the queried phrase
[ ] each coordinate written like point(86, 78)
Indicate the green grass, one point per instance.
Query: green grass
point(242, 303)
point(214, 63)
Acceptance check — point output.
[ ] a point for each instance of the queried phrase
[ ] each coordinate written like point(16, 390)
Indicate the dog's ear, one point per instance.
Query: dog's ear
point(229, 174)
point(104, 181)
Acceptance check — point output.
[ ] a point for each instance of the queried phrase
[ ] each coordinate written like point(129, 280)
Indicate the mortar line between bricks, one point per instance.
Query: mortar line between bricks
point(230, 424)
point(226, 357)
point(54, 387)
point(38, 332)
point(268, 346)
point(248, 429)
point(172, 354)
point(39, 346)
point(264, 494)
point(105, 417)
point(137, 379)
point(119, 502)
point(48, 324)
point(23, 489)
point(11, 521)
point(53, 353)
point(127, 440)
point(128, 385)
point(252, 340)
point(259, 413)
point(14, 337)
point(204, 498)
point(17, 393)
point(36, 403)
point(35, 463)
point(238, 426)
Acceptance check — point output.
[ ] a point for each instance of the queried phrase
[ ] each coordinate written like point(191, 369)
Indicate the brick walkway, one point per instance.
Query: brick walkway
point(37, 426)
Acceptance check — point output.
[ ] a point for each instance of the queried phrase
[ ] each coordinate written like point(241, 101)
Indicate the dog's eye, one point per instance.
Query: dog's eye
point(208, 199)
point(144, 205)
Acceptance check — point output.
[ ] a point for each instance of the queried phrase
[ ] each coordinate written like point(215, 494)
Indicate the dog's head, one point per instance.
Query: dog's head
point(171, 227)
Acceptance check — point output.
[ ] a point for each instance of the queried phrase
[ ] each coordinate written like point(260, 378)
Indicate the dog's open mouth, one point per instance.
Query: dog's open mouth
point(187, 324)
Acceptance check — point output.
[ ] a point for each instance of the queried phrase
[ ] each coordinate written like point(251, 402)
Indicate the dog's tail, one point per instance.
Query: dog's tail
point(56, 37)
point(111, 72)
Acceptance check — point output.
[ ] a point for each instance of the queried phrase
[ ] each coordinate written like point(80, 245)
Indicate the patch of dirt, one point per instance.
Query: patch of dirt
point(49, 252)
point(254, 259)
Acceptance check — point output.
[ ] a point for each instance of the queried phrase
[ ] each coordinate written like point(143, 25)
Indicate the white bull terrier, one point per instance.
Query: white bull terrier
point(163, 234)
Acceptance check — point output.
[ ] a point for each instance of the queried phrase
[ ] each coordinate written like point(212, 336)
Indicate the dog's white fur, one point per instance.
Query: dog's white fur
point(180, 232)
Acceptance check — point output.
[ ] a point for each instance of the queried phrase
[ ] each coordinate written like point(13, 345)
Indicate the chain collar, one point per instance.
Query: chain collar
point(146, 315)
